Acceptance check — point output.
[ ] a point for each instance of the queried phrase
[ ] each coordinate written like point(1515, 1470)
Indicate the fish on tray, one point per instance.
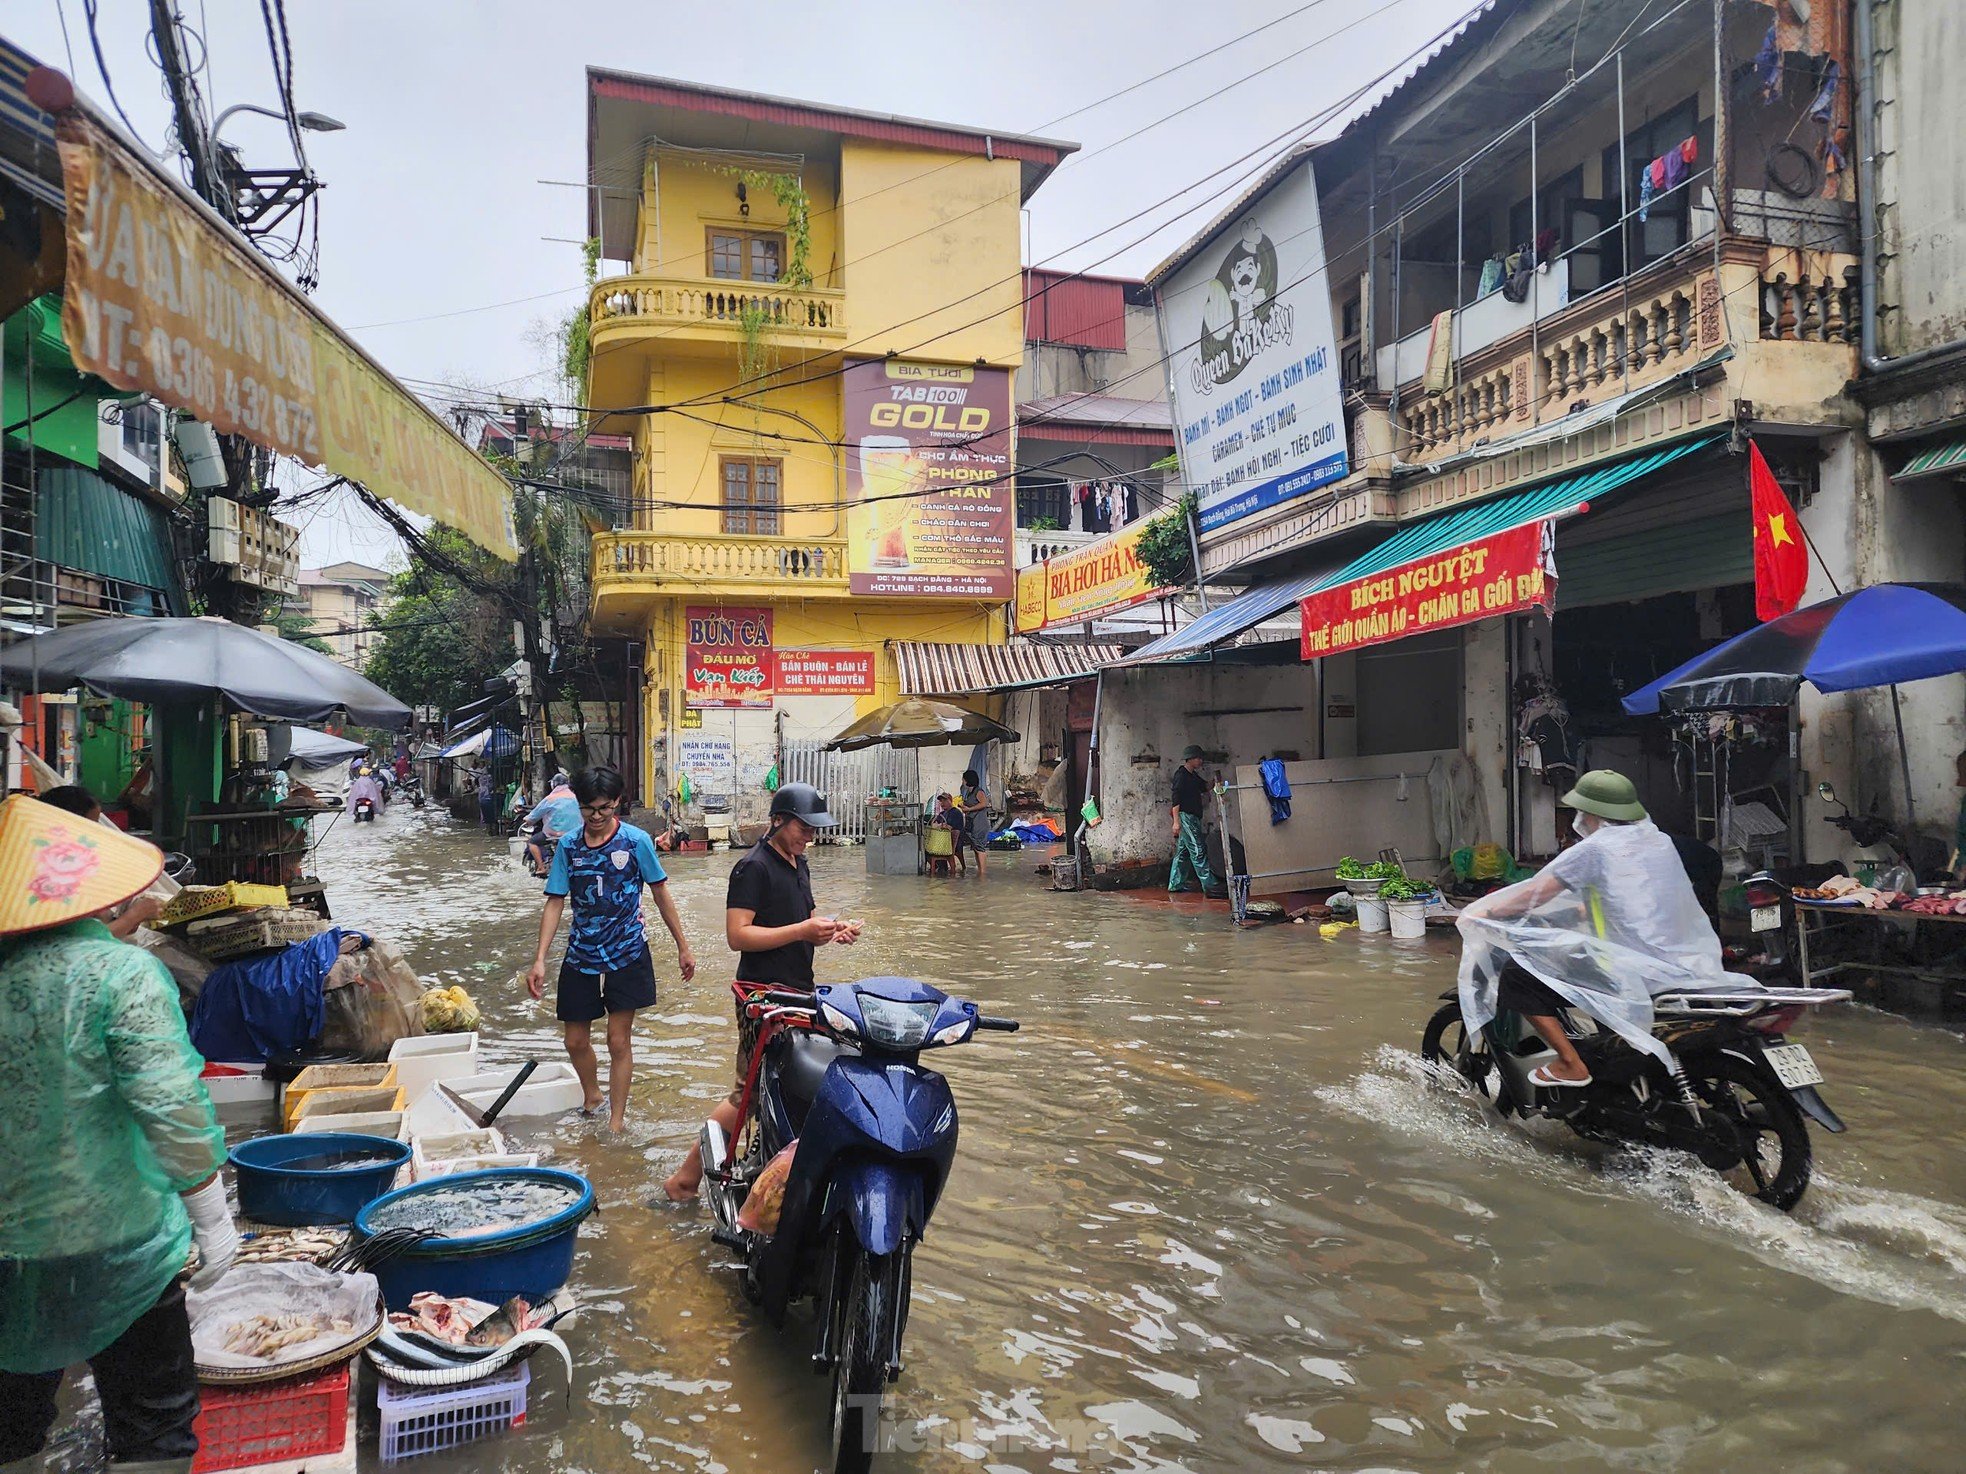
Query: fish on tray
point(465, 1322)
point(264, 1336)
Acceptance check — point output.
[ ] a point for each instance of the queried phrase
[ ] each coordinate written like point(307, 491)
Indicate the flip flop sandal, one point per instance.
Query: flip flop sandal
point(1542, 1077)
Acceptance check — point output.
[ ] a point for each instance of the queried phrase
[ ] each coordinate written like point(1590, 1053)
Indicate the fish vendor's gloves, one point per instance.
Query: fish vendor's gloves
point(213, 1231)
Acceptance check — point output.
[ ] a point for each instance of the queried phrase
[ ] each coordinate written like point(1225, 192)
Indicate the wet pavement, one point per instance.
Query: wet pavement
point(1205, 1216)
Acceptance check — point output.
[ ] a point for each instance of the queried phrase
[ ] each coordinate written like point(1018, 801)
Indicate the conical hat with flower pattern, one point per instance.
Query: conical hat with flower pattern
point(56, 866)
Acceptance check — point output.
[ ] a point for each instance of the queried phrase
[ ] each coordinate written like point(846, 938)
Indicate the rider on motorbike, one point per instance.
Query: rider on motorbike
point(1604, 927)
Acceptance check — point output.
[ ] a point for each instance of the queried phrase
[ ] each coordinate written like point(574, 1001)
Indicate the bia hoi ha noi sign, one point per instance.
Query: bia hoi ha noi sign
point(1085, 583)
point(1503, 574)
point(1246, 321)
point(729, 658)
point(930, 499)
point(162, 297)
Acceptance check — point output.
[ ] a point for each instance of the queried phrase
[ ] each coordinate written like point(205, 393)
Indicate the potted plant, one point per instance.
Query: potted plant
point(1406, 904)
point(1358, 877)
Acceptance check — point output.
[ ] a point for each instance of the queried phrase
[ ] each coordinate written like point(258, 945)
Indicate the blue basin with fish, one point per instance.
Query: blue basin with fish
point(310, 1177)
point(501, 1232)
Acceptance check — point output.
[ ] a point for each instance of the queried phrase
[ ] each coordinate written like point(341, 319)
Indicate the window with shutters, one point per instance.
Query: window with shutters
point(745, 255)
point(751, 486)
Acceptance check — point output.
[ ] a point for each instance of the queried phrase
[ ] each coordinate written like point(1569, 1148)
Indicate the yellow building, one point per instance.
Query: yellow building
point(813, 348)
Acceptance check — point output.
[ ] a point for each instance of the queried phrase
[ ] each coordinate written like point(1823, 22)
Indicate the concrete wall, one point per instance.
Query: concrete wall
point(1135, 372)
point(1921, 149)
point(691, 194)
point(932, 254)
point(1147, 716)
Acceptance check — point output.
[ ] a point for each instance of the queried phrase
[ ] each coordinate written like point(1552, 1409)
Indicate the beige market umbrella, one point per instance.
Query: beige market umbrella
point(918, 722)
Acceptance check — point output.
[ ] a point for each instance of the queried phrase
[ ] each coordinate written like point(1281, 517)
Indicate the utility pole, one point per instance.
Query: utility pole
point(192, 136)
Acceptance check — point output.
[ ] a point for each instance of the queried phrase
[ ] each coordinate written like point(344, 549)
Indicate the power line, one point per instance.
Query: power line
point(102, 67)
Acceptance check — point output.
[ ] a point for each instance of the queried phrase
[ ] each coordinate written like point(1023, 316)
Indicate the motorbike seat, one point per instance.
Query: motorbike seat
point(802, 1060)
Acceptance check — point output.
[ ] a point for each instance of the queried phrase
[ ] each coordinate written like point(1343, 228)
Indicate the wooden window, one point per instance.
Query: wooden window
point(751, 498)
point(746, 255)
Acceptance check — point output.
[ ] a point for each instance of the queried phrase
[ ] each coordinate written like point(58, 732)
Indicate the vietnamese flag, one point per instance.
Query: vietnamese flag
point(1781, 561)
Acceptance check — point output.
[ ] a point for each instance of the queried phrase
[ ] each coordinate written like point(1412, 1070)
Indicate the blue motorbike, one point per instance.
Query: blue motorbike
point(838, 1071)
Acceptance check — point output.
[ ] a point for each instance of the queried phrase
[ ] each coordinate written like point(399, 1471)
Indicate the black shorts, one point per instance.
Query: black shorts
point(1519, 990)
point(582, 997)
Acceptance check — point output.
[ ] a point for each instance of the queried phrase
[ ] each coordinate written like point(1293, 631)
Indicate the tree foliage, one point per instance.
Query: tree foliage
point(293, 625)
point(443, 639)
point(1164, 549)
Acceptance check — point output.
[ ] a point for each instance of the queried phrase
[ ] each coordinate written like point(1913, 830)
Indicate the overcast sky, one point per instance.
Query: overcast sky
point(434, 219)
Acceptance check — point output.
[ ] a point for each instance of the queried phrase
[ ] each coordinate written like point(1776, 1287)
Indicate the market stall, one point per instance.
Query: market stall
point(897, 828)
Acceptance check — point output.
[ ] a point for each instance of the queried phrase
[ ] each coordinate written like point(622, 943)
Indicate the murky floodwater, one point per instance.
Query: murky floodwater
point(1205, 1217)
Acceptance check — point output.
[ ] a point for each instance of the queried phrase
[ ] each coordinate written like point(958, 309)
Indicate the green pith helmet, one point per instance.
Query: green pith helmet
point(1606, 794)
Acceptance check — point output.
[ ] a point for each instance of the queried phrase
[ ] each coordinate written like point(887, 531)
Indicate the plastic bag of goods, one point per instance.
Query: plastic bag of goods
point(449, 1011)
point(767, 1196)
point(371, 1002)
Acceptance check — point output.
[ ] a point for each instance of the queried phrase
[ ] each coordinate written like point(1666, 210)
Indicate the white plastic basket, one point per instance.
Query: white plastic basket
point(418, 1421)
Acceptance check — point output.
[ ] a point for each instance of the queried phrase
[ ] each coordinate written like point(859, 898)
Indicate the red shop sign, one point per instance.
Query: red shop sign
point(1503, 574)
point(825, 672)
point(728, 658)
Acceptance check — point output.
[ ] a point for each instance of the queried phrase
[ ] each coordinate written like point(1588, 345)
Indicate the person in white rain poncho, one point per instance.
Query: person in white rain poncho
point(1605, 927)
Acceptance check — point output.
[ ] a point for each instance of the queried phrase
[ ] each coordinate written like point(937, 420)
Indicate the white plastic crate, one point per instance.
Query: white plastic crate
point(418, 1421)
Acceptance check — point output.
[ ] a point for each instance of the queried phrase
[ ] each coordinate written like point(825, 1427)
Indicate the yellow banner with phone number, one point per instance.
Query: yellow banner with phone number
point(162, 298)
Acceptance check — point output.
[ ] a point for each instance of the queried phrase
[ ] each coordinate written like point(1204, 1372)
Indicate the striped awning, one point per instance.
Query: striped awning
point(1941, 460)
point(930, 668)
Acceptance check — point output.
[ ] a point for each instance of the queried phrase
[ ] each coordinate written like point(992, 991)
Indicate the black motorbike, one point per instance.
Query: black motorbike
point(1741, 1103)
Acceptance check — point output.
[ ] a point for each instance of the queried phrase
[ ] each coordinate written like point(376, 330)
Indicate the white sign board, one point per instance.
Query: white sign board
point(708, 757)
point(1247, 326)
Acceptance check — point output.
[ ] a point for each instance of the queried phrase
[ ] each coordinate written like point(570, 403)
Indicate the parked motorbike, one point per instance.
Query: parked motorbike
point(1741, 1103)
point(413, 789)
point(838, 1071)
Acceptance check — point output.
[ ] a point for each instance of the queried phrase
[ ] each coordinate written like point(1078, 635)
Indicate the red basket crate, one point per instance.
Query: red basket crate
point(297, 1419)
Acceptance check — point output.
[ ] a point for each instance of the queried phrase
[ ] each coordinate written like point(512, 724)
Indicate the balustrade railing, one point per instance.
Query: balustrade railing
point(628, 300)
point(752, 560)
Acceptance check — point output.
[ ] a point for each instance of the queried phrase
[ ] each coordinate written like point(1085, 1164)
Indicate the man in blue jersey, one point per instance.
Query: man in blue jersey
point(602, 866)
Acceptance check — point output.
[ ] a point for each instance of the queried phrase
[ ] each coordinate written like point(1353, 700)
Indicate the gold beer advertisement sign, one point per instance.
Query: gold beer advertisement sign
point(931, 502)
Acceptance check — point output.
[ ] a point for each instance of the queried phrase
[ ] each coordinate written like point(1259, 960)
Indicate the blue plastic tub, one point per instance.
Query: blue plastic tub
point(282, 1182)
point(534, 1260)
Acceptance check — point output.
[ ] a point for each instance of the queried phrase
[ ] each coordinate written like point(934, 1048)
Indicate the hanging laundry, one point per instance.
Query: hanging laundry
point(1439, 375)
point(1768, 64)
point(1673, 162)
point(1491, 276)
point(1520, 266)
point(1132, 503)
point(1099, 510)
point(1546, 240)
point(1276, 788)
point(1646, 189)
point(1116, 506)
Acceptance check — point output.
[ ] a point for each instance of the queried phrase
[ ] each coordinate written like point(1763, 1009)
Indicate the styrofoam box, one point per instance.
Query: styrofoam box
point(483, 1163)
point(433, 1148)
point(552, 1090)
point(365, 1123)
point(423, 1059)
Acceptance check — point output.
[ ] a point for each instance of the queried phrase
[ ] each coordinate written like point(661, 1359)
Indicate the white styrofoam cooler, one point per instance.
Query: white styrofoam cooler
point(423, 1059)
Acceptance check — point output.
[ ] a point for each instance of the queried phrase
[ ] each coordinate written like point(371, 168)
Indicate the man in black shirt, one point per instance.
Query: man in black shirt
point(768, 922)
point(1190, 868)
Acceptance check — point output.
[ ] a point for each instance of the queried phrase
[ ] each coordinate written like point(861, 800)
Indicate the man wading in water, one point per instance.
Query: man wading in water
point(768, 922)
point(603, 866)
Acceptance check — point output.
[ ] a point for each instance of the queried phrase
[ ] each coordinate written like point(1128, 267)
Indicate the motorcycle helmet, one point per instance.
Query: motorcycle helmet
point(802, 801)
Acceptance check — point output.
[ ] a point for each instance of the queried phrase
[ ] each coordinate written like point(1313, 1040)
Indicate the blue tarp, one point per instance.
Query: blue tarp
point(262, 1006)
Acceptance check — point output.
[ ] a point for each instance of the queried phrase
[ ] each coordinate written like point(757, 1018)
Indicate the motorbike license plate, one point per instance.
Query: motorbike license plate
point(1765, 918)
point(1793, 1066)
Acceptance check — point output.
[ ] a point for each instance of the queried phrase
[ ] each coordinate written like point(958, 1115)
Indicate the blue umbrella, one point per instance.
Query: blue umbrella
point(1884, 635)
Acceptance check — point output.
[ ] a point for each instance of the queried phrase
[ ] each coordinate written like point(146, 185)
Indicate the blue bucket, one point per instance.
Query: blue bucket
point(282, 1182)
point(534, 1259)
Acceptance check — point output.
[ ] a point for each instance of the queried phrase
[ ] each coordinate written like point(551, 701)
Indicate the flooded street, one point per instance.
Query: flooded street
point(1205, 1216)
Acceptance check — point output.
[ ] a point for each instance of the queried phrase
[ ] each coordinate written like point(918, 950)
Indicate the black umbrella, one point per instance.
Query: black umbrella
point(166, 660)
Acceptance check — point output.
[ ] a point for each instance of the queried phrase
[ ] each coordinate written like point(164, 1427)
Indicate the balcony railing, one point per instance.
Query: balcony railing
point(1034, 546)
point(1625, 337)
point(645, 301)
point(763, 562)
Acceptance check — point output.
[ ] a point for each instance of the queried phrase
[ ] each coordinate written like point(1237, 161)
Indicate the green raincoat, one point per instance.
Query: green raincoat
point(106, 1122)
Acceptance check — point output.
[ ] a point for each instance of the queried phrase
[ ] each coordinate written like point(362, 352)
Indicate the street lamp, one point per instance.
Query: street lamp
point(312, 122)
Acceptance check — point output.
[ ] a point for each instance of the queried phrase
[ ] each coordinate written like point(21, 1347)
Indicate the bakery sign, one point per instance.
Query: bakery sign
point(1502, 574)
point(729, 660)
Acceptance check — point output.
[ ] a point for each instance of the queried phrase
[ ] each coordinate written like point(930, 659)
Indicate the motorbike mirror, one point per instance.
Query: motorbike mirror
point(1826, 793)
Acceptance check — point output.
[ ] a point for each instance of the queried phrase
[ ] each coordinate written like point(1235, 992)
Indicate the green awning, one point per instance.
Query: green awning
point(86, 522)
point(1485, 519)
point(1942, 460)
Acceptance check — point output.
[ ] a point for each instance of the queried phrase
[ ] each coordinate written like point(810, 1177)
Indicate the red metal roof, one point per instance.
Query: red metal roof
point(1083, 311)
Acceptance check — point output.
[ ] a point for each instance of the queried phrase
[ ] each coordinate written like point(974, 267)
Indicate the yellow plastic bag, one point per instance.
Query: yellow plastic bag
point(766, 1199)
point(449, 1011)
point(1491, 862)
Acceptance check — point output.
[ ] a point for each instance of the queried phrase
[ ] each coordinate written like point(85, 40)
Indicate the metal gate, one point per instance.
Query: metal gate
point(848, 779)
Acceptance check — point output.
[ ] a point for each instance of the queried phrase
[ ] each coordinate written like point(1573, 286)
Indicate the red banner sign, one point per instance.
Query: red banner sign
point(730, 662)
point(1503, 574)
point(825, 672)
